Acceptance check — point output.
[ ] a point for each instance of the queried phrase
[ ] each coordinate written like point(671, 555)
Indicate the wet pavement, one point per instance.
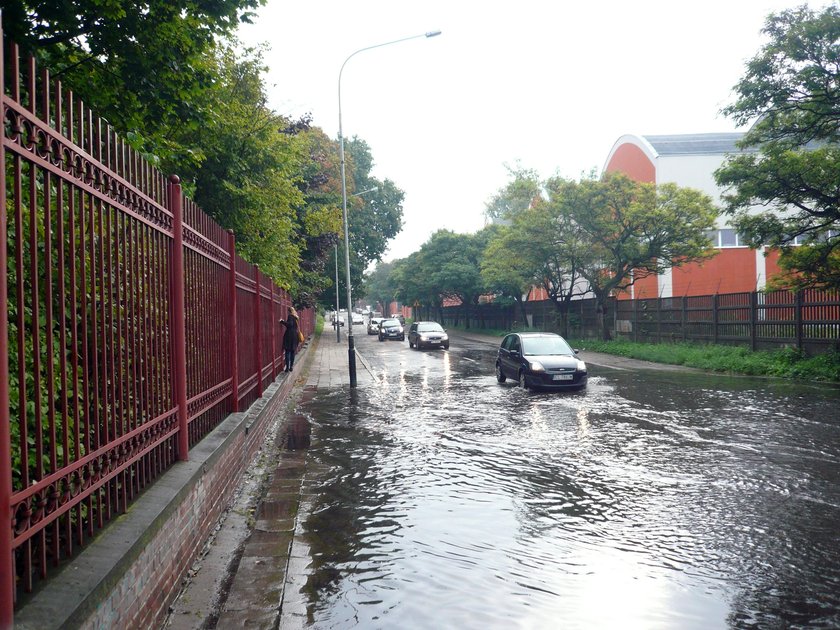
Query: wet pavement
point(434, 497)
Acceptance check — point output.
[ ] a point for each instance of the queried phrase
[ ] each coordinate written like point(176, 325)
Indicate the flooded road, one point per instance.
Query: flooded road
point(438, 498)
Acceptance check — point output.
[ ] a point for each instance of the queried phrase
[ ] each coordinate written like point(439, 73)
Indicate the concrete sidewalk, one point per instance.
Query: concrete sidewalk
point(329, 367)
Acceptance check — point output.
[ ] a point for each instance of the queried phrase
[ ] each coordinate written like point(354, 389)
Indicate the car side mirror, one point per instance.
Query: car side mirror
point(576, 350)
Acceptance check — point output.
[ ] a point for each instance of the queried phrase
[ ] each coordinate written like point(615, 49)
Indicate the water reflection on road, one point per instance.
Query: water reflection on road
point(441, 499)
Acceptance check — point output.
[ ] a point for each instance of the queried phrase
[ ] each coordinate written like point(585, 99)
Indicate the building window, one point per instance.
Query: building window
point(726, 237)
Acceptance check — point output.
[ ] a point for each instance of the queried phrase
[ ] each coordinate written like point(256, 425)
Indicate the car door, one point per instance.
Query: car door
point(504, 355)
point(513, 357)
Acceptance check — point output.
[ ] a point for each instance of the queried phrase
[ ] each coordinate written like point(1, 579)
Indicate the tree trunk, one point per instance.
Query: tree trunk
point(600, 311)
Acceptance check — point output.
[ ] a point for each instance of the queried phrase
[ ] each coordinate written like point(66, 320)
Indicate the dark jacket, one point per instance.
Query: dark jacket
point(290, 337)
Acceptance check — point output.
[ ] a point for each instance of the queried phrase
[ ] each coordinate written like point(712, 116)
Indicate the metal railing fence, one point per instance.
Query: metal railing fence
point(129, 329)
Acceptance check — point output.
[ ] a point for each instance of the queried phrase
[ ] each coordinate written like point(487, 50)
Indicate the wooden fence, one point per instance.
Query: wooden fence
point(808, 320)
point(129, 327)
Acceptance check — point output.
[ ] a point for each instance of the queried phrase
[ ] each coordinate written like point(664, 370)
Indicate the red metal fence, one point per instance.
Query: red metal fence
point(129, 326)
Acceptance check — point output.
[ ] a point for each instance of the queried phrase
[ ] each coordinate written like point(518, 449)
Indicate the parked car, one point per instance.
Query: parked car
point(391, 329)
point(373, 325)
point(427, 334)
point(540, 360)
point(357, 319)
point(339, 319)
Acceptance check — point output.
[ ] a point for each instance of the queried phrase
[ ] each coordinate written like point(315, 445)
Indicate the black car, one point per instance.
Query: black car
point(540, 360)
point(391, 329)
point(428, 335)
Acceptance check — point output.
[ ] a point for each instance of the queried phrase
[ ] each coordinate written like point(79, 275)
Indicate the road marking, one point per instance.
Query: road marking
point(470, 360)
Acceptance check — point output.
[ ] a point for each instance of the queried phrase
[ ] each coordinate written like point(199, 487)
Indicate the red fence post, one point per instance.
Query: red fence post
point(7, 571)
point(258, 330)
point(179, 337)
point(233, 340)
point(797, 317)
point(753, 320)
point(272, 318)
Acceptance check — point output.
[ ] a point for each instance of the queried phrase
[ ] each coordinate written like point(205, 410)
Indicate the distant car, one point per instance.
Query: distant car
point(373, 325)
point(340, 319)
point(357, 319)
point(391, 329)
point(399, 317)
point(540, 360)
point(427, 334)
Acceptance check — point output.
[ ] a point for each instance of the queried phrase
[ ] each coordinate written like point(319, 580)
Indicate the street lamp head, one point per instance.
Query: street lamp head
point(433, 33)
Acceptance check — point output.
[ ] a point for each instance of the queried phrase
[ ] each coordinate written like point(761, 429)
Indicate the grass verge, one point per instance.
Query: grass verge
point(786, 363)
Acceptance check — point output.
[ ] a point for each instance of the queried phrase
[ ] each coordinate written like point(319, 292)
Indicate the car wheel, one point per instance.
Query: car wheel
point(446, 347)
point(381, 338)
point(522, 383)
point(410, 343)
point(500, 376)
point(402, 338)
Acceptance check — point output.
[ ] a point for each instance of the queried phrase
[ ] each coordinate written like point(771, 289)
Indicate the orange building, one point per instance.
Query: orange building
point(690, 161)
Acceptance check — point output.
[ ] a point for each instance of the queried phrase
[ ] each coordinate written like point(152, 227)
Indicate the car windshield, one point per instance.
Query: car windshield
point(430, 327)
point(390, 322)
point(545, 345)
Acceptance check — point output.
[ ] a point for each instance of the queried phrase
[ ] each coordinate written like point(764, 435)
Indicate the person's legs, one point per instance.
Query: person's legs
point(289, 360)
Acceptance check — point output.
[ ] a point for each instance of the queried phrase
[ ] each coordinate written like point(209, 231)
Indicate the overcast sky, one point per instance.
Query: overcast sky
point(548, 85)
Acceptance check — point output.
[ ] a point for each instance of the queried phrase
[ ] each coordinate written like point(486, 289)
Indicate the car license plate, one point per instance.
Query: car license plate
point(434, 341)
point(563, 377)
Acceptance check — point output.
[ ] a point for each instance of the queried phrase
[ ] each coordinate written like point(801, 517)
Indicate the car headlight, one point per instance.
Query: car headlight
point(423, 338)
point(536, 366)
point(581, 366)
point(445, 337)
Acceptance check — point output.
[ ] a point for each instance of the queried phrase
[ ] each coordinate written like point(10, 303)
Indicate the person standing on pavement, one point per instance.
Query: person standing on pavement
point(291, 338)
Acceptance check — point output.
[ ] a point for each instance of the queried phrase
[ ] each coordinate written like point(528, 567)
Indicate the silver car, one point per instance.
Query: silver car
point(373, 325)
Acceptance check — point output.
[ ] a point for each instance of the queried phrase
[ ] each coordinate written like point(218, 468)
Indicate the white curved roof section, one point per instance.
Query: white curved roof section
point(639, 141)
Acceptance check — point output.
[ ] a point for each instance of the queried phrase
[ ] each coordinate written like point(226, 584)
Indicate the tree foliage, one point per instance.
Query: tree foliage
point(380, 285)
point(141, 65)
point(635, 230)
point(374, 214)
point(785, 187)
point(516, 196)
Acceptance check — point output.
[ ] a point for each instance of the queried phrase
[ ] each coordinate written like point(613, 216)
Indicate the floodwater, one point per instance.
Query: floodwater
point(441, 499)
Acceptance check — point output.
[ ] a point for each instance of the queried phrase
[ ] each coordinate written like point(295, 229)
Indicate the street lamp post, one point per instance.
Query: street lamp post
point(351, 348)
point(335, 321)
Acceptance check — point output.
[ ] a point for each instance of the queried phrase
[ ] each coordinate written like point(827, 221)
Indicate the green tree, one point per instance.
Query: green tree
point(416, 286)
point(248, 178)
point(503, 270)
point(516, 196)
point(545, 246)
point(381, 287)
point(140, 65)
point(785, 187)
point(634, 230)
point(452, 264)
point(374, 206)
point(374, 213)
